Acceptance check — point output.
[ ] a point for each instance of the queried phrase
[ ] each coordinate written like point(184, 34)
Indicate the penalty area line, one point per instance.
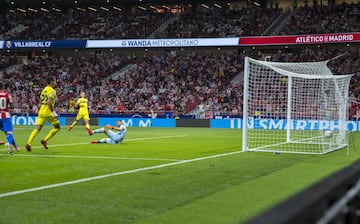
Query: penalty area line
point(115, 174)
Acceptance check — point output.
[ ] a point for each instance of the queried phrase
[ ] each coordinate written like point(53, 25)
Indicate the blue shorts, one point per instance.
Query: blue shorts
point(6, 124)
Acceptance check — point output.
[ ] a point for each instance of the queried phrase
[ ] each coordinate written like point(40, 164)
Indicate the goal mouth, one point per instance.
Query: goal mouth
point(294, 107)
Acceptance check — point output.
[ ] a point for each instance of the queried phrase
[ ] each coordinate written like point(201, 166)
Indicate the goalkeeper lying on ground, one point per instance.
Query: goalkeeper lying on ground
point(116, 134)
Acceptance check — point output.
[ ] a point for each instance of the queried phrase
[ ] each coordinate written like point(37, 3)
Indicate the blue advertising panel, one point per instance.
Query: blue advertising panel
point(214, 123)
point(102, 121)
point(279, 124)
point(226, 123)
point(44, 44)
point(31, 120)
point(139, 122)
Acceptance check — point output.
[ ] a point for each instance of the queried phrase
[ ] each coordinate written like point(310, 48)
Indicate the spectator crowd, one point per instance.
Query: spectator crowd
point(176, 80)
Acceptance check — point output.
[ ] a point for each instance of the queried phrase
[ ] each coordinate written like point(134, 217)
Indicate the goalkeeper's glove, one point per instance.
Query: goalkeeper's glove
point(55, 114)
point(109, 126)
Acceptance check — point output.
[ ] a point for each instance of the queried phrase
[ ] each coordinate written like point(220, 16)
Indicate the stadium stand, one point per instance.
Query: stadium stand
point(187, 83)
point(194, 83)
point(324, 19)
point(207, 91)
point(83, 23)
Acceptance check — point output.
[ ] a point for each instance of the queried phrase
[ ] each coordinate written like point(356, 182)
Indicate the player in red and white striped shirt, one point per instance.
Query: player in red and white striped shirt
point(6, 102)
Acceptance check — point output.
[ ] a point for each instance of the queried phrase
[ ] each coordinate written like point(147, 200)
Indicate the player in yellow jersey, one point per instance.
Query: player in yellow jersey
point(72, 105)
point(83, 113)
point(46, 113)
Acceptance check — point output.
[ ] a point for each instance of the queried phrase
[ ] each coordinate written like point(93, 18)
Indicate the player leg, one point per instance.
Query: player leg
point(77, 119)
point(87, 127)
point(119, 138)
point(110, 134)
point(86, 119)
point(10, 149)
point(56, 128)
point(73, 124)
point(104, 140)
point(115, 137)
point(11, 141)
point(39, 124)
point(8, 129)
point(99, 130)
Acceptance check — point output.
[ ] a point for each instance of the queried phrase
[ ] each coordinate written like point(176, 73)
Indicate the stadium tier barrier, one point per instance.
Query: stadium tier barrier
point(325, 38)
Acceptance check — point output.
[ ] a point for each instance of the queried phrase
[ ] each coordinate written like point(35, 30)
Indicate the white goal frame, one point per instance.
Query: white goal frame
point(294, 85)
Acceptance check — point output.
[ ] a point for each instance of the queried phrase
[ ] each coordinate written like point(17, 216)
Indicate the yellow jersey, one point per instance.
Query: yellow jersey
point(46, 93)
point(83, 105)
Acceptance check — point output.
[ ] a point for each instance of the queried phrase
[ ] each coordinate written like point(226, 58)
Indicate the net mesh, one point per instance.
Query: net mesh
point(289, 106)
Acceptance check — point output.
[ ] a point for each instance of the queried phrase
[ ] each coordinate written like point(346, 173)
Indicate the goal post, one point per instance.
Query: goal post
point(294, 107)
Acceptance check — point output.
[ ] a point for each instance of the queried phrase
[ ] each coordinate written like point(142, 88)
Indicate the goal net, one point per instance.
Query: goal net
point(294, 107)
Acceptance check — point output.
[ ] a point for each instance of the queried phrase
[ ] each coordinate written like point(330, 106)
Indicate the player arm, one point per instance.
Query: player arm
point(77, 105)
point(51, 106)
point(11, 103)
point(49, 103)
point(114, 127)
point(117, 128)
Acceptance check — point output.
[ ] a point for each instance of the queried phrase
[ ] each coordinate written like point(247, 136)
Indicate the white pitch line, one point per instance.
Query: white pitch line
point(126, 140)
point(114, 174)
point(97, 157)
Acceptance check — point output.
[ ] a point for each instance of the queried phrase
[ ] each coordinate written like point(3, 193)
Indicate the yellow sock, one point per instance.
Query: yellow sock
point(87, 126)
point(32, 136)
point(73, 124)
point(51, 133)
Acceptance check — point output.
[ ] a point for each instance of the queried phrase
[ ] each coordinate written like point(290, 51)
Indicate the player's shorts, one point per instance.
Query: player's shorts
point(82, 116)
point(41, 120)
point(6, 124)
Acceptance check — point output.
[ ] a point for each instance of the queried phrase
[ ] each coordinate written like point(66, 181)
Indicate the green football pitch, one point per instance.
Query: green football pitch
point(158, 175)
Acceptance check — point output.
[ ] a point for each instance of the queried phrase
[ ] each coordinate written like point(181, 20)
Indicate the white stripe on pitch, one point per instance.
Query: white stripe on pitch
point(114, 174)
point(126, 140)
point(96, 157)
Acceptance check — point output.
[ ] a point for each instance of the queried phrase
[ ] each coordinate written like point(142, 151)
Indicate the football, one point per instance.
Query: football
point(328, 134)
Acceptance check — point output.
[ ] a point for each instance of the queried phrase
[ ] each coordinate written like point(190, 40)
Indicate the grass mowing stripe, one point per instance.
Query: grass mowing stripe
point(161, 137)
point(97, 157)
point(115, 174)
point(86, 143)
